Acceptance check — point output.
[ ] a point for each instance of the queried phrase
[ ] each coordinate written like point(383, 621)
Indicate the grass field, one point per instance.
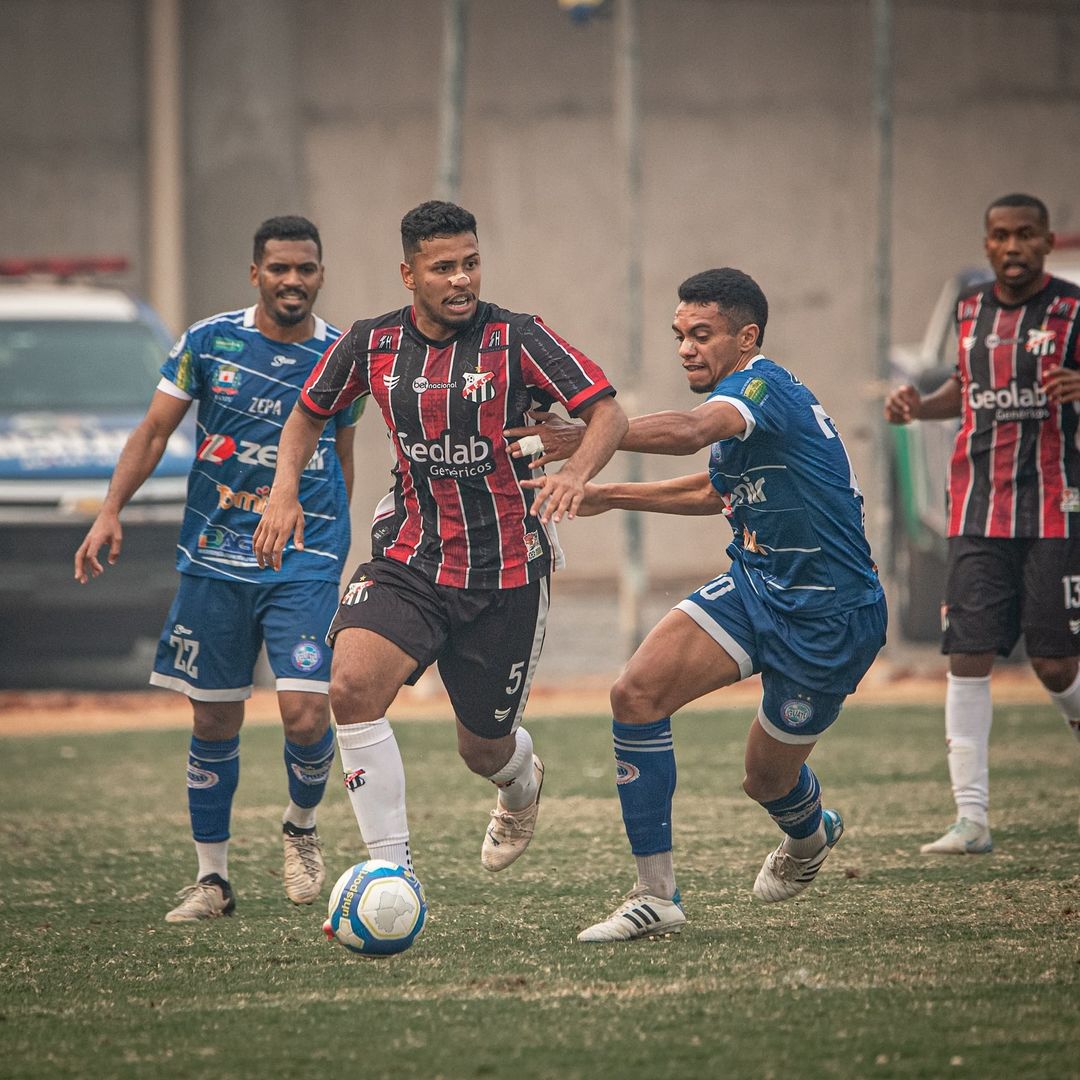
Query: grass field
point(892, 965)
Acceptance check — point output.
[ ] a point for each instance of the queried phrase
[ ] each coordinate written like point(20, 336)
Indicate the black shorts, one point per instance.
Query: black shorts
point(997, 589)
point(486, 642)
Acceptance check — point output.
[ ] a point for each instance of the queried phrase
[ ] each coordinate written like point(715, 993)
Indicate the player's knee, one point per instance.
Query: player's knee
point(1056, 673)
point(307, 724)
point(767, 784)
point(485, 757)
point(631, 701)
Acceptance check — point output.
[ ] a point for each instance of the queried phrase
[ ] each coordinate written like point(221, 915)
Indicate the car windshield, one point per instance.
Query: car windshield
point(77, 365)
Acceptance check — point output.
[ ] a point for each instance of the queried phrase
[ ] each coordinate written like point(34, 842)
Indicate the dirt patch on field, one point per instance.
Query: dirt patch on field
point(54, 712)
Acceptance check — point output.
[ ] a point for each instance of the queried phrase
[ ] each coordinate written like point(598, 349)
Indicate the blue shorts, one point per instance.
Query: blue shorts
point(215, 628)
point(808, 663)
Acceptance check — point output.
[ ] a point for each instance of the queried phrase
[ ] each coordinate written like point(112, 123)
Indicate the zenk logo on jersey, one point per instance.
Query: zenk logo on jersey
point(479, 386)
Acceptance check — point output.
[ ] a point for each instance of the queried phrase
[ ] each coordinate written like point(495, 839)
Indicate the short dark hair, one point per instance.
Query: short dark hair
point(433, 218)
point(737, 295)
point(1018, 199)
point(287, 227)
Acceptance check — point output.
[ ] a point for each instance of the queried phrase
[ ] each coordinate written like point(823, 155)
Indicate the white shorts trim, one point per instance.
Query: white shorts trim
point(170, 682)
point(719, 635)
point(784, 736)
point(310, 686)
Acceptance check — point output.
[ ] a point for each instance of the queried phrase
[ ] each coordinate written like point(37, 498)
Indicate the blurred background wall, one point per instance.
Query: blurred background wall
point(758, 151)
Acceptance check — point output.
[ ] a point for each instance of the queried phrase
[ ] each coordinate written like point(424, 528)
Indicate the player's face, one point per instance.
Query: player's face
point(288, 278)
point(709, 347)
point(444, 278)
point(1017, 244)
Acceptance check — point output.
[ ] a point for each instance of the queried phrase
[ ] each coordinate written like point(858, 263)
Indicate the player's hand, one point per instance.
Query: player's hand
point(559, 438)
point(557, 494)
point(902, 405)
point(594, 501)
point(105, 530)
point(282, 519)
point(1062, 385)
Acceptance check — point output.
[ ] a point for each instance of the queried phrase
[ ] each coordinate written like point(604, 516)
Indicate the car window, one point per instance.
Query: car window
point(77, 365)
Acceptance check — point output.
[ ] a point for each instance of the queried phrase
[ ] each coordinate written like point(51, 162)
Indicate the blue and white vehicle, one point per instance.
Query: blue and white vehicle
point(78, 365)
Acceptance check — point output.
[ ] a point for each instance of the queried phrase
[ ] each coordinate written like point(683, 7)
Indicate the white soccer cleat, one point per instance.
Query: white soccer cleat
point(783, 876)
point(305, 871)
point(510, 831)
point(641, 915)
point(209, 898)
point(964, 837)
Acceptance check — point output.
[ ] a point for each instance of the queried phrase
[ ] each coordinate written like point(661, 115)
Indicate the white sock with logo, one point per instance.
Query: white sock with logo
point(968, 715)
point(1068, 702)
point(375, 780)
point(516, 780)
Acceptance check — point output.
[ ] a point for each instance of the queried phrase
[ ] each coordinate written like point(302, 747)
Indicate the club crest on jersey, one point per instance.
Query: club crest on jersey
point(307, 656)
point(226, 380)
point(479, 386)
point(797, 712)
point(533, 548)
point(357, 592)
point(1070, 500)
point(1041, 342)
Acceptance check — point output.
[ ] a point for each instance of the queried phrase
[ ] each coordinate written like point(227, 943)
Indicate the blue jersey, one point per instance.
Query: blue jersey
point(791, 496)
point(246, 385)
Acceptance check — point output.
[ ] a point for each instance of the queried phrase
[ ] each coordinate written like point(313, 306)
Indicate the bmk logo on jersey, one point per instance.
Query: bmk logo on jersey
point(357, 592)
point(1041, 342)
point(479, 386)
point(226, 380)
point(307, 657)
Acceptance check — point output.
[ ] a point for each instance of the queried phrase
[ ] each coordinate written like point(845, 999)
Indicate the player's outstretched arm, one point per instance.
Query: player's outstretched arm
point(283, 518)
point(560, 493)
point(692, 495)
point(137, 461)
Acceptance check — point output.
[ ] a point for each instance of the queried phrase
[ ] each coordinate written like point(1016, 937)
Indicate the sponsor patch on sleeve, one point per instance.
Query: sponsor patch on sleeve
point(755, 390)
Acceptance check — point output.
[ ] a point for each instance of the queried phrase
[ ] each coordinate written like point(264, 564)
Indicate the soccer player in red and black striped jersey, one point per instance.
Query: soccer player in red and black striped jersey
point(462, 554)
point(1013, 496)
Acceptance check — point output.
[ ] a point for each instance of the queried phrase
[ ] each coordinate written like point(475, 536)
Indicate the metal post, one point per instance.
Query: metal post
point(883, 126)
point(632, 576)
point(451, 100)
point(165, 284)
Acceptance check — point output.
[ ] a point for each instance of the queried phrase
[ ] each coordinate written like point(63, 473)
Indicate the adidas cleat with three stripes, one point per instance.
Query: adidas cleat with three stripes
point(640, 915)
point(783, 876)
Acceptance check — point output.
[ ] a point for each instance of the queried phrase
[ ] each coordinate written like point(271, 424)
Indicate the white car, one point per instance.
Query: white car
point(921, 453)
point(78, 365)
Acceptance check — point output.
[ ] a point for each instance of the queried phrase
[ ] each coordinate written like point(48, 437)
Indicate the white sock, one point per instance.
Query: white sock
point(303, 817)
point(968, 715)
point(375, 779)
point(1068, 701)
point(213, 859)
point(803, 847)
point(656, 873)
point(516, 780)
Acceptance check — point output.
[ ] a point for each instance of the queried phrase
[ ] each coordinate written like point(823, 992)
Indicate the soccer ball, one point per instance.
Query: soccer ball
point(377, 908)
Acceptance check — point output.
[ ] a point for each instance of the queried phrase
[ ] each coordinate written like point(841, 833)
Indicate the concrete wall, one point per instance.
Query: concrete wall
point(759, 153)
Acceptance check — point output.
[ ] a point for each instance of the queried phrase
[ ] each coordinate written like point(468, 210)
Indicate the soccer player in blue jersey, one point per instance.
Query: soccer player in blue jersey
point(245, 369)
point(801, 602)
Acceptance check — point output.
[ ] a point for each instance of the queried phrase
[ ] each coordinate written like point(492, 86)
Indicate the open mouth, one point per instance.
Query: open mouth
point(460, 303)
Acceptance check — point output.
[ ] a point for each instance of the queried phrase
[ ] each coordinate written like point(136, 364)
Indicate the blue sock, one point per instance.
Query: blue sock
point(645, 775)
point(212, 775)
point(307, 768)
point(798, 812)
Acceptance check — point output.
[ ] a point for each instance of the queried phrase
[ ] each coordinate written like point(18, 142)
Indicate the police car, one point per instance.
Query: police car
point(921, 452)
point(78, 364)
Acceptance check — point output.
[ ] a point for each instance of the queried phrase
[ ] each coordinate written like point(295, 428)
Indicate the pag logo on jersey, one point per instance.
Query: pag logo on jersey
point(446, 457)
point(479, 386)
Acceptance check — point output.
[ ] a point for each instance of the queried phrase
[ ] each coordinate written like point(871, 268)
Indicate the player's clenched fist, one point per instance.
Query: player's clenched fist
point(902, 405)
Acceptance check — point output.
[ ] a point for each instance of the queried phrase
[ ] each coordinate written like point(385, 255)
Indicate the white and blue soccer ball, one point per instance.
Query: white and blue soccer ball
point(377, 908)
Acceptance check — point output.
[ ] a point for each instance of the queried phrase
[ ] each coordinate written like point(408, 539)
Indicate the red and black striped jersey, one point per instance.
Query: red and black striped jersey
point(1015, 469)
point(460, 514)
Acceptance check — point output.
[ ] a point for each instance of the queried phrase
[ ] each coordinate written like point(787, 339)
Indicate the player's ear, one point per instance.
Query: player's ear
point(748, 336)
point(407, 276)
point(253, 274)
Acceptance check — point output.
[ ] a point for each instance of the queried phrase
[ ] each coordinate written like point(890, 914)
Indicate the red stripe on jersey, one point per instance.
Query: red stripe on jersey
point(1006, 439)
point(351, 389)
point(588, 369)
point(961, 468)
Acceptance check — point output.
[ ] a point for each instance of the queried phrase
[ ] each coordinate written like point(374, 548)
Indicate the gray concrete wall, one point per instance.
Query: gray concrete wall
point(759, 152)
